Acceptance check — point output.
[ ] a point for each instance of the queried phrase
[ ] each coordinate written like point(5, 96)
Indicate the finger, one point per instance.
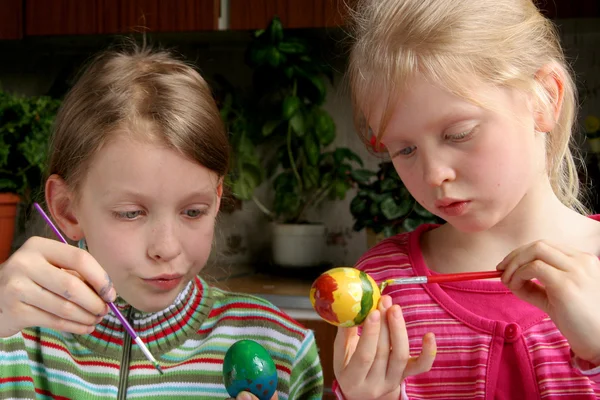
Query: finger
point(69, 287)
point(399, 341)
point(534, 294)
point(45, 300)
point(344, 346)
point(38, 317)
point(363, 356)
point(424, 362)
point(537, 251)
point(245, 396)
point(545, 273)
point(380, 363)
point(69, 257)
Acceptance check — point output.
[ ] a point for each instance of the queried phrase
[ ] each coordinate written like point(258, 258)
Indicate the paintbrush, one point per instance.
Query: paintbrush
point(464, 276)
point(111, 305)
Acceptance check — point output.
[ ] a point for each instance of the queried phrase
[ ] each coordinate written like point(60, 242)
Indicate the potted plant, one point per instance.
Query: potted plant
point(25, 127)
point(384, 206)
point(284, 117)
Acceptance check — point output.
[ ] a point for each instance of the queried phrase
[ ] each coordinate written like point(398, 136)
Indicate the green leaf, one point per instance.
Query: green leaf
point(392, 210)
point(291, 104)
point(297, 123)
point(389, 185)
point(410, 224)
point(310, 176)
point(340, 189)
point(358, 205)
point(258, 55)
point(276, 30)
point(362, 175)
point(342, 153)
point(420, 211)
point(269, 127)
point(292, 47)
point(389, 231)
point(324, 127)
point(275, 57)
point(312, 150)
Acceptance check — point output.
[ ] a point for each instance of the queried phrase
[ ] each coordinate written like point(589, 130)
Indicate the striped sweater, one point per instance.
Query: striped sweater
point(483, 353)
point(189, 339)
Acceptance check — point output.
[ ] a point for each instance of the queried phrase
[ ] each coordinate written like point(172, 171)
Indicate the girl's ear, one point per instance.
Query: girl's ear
point(61, 204)
point(219, 193)
point(552, 78)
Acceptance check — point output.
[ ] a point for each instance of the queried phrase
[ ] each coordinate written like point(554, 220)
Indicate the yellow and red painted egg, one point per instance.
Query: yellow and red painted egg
point(344, 296)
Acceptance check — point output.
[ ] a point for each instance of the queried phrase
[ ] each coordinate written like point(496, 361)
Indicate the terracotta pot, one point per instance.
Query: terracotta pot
point(8, 214)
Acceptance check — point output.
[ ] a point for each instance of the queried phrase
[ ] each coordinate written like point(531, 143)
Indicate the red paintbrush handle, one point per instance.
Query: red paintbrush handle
point(467, 276)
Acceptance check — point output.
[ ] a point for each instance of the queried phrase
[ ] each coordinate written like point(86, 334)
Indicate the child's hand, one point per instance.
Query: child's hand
point(250, 396)
point(569, 292)
point(45, 283)
point(373, 365)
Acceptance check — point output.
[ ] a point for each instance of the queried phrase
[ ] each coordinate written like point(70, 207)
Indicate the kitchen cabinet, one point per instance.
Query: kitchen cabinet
point(256, 14)
point(11, 19)
point(84, 17)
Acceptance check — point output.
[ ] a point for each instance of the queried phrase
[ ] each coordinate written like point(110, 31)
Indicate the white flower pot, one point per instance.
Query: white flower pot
point(298, 245)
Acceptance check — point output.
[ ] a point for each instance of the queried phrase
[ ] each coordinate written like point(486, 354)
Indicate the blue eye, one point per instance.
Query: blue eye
point(407, 151)
point(127, 214)
point(194, 213)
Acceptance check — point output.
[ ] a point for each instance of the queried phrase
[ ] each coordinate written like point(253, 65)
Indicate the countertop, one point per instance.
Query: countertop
point(287, 289)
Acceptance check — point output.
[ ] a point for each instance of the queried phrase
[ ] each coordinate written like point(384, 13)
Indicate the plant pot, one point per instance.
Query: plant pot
point(8, 215)
point(298, 245)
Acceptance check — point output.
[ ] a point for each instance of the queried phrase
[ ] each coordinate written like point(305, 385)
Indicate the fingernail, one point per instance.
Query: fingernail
point(386, 301)
point(111, 296)
point(395, 311)
point(91, 329)
point(244, 396)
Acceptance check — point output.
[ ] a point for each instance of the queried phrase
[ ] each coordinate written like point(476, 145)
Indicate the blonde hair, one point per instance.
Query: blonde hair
point(141, 92)
point(499, 42)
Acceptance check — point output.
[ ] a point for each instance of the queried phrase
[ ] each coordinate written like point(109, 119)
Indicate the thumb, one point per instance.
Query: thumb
point(344, 346)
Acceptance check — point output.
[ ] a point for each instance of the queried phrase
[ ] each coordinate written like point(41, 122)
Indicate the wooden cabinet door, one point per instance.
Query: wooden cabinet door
point(324, 336)
point(11, 19)
point(123, 16)
point(61, 17)
point(80, 17)
point(256, 14)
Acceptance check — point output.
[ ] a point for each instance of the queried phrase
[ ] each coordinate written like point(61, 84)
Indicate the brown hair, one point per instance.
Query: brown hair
point(123, 90)
point(499, 42)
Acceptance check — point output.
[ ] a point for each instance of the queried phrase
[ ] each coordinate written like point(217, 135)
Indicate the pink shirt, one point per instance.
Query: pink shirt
point(491, 345)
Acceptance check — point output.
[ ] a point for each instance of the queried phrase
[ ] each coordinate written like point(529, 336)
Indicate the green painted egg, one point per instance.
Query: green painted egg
point(249, 367)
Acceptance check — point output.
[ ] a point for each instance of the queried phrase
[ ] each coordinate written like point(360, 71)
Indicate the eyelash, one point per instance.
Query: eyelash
point(456, 138)
point(124, 215)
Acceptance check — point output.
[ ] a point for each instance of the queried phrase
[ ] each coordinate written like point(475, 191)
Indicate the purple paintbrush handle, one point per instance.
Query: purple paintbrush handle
point(123, 320)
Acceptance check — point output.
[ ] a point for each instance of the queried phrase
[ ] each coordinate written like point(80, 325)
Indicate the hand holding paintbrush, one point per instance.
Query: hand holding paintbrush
point(48, 284)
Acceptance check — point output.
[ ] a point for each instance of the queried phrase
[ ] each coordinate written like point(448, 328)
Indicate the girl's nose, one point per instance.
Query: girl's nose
point(164, 244)
point(436, 171)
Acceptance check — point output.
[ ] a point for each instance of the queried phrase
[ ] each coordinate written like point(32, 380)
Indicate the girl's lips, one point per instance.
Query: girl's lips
point(165, 282)
point(454, 209)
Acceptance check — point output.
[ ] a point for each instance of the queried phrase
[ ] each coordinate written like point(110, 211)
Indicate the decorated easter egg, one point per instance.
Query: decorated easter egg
point(344, 296)
point(249, 367)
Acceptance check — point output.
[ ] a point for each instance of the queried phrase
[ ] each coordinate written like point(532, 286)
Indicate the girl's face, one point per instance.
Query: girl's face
point(469, 165)
point(148, 216)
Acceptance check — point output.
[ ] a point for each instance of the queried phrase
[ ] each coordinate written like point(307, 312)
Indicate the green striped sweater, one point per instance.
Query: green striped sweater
point(189, 339)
